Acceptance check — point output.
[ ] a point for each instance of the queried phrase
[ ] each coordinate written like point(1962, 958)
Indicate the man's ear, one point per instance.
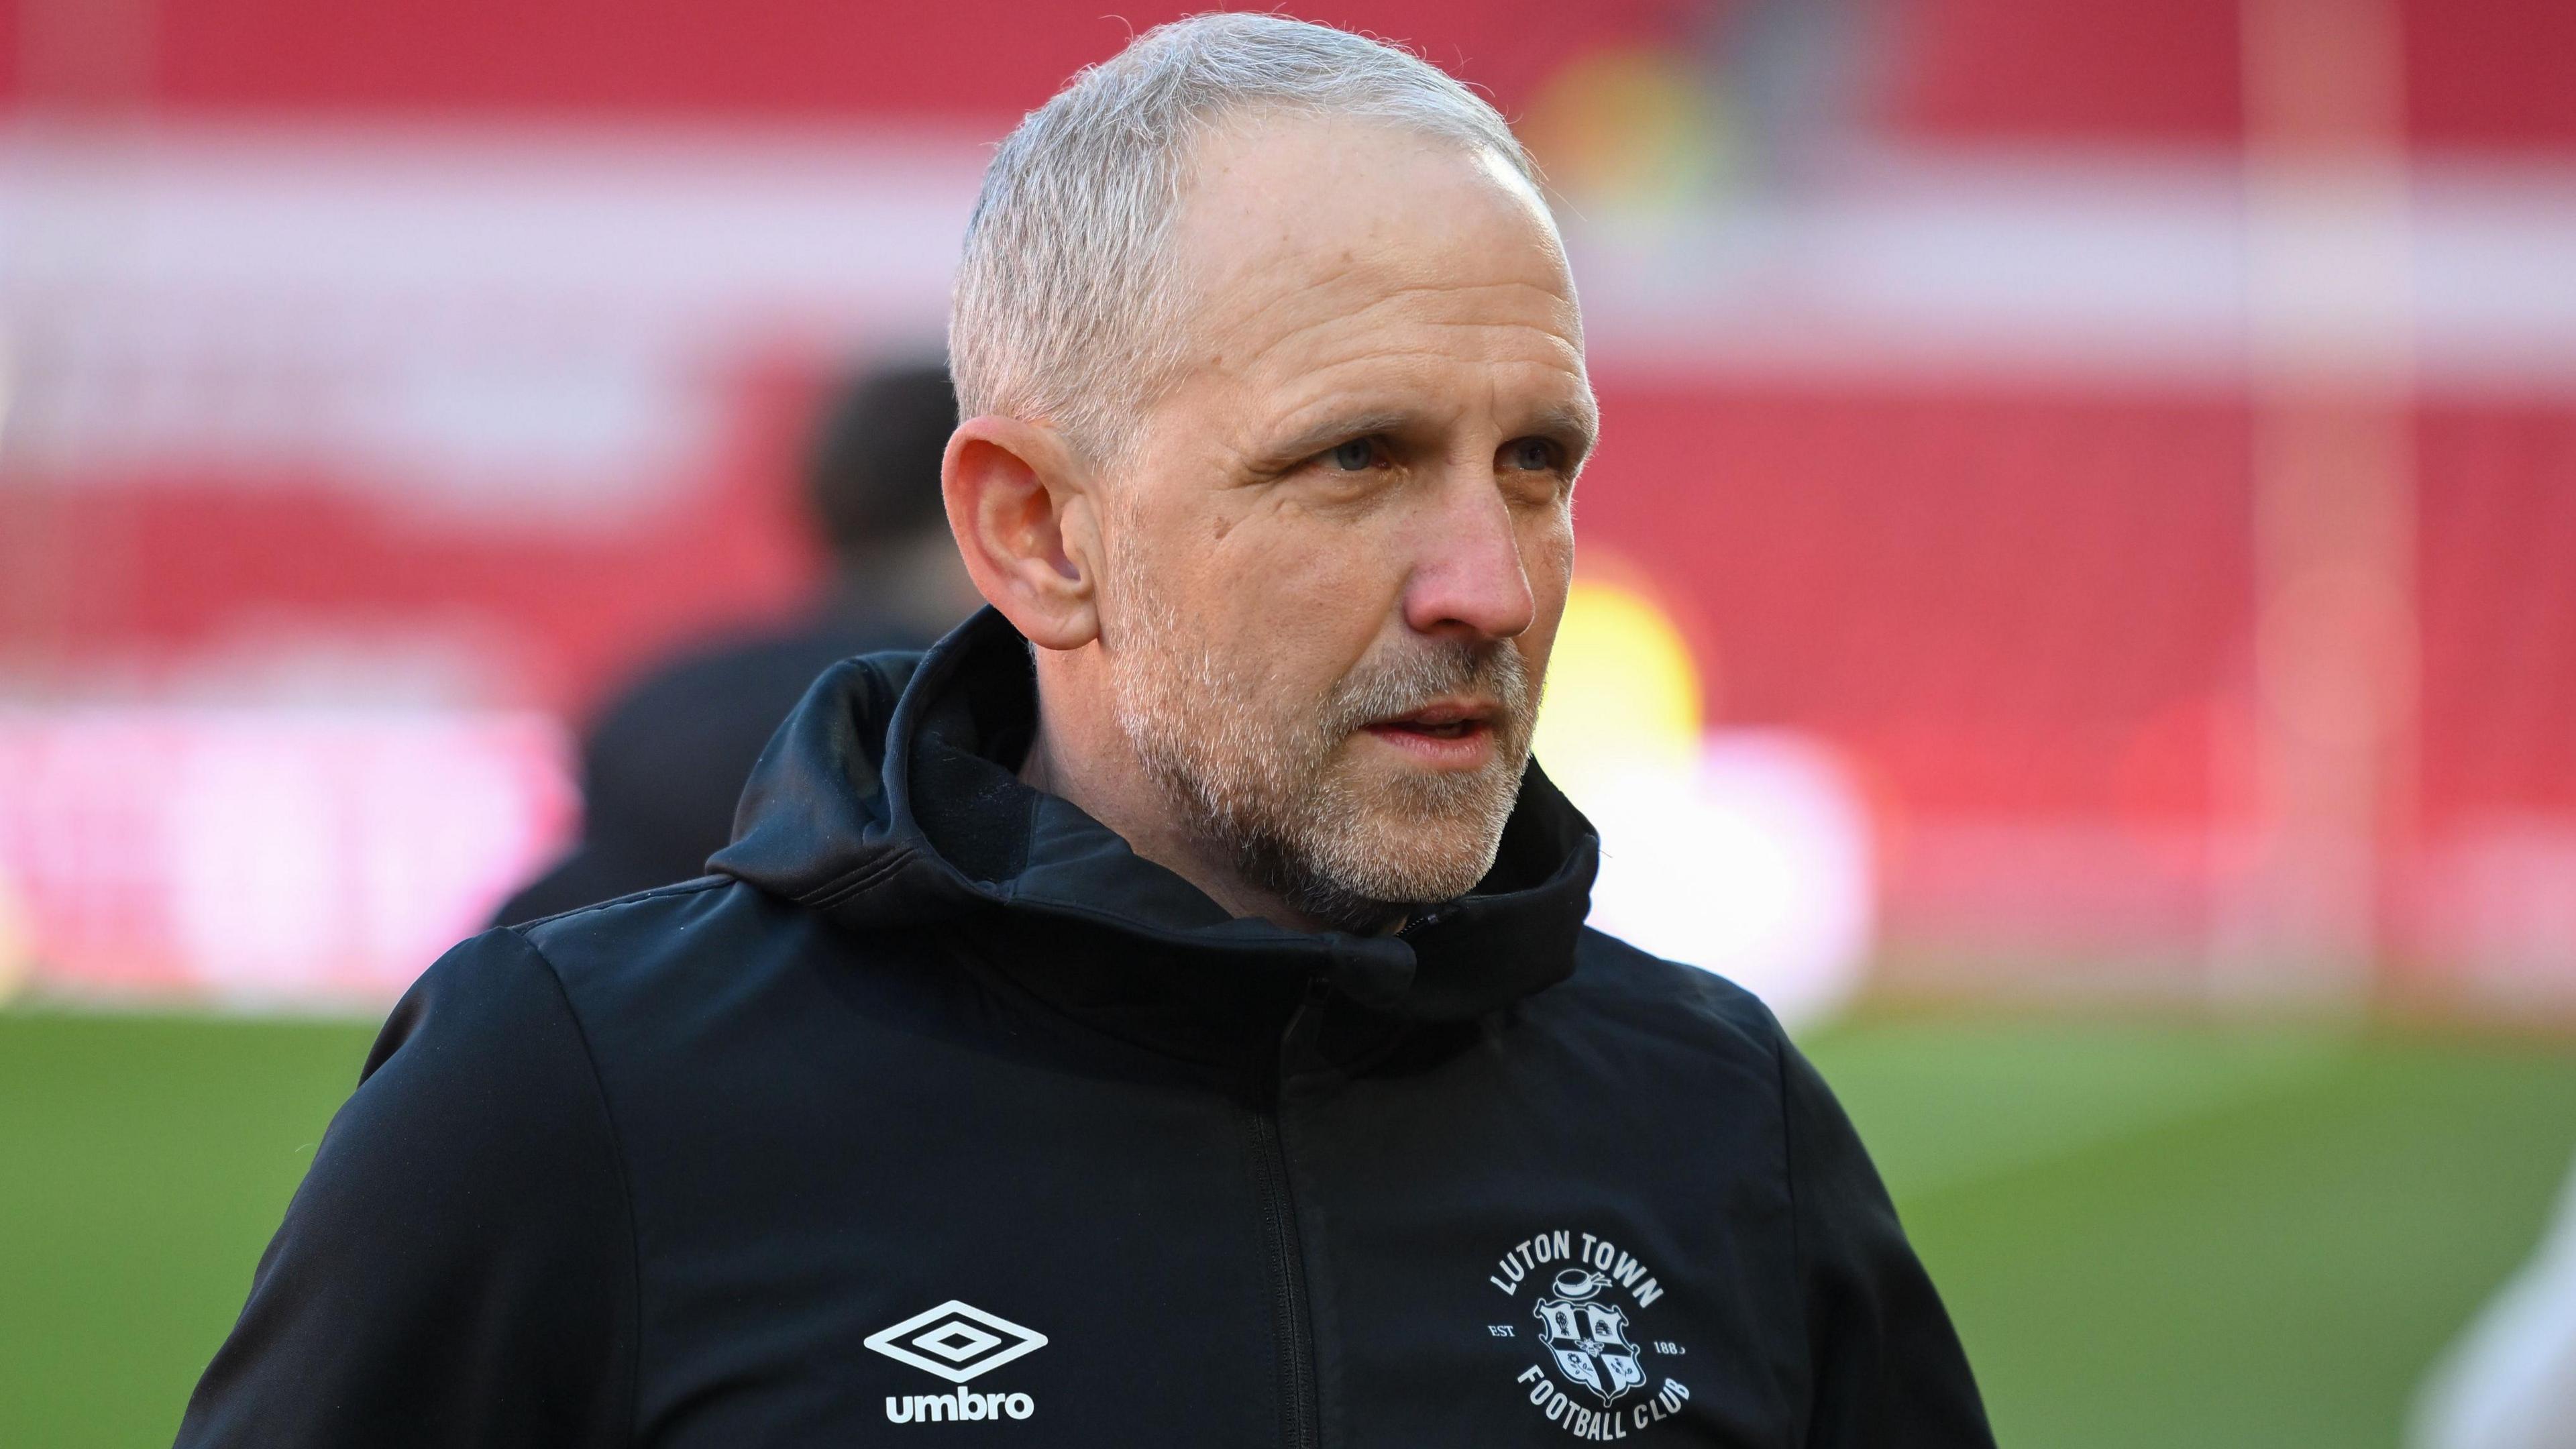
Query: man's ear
point(1022, 509)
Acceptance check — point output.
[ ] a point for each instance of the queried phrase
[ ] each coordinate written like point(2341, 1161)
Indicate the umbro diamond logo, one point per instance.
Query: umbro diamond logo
point(957, 1341)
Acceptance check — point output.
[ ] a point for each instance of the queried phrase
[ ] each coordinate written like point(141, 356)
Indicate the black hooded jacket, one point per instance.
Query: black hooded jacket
point(939, 1116)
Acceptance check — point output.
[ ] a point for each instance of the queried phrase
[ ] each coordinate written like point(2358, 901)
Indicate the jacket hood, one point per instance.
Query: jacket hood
point(890, 799)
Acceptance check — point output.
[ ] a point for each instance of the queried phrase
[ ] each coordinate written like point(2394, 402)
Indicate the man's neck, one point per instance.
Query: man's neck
point(1096, 769)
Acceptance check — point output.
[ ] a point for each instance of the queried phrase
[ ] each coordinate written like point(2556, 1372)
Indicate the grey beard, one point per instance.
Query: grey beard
point(1257, 786)
point(1328, 890)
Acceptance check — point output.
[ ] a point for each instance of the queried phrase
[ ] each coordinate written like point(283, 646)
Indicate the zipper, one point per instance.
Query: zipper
point(1292, 1326)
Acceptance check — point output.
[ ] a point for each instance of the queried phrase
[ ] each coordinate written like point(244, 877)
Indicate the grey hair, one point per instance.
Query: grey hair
point(1064, 309)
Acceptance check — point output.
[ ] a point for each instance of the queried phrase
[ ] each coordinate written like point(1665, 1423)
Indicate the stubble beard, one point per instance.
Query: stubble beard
point(1262, 780)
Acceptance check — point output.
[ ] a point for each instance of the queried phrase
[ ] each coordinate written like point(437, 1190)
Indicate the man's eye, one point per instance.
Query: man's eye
point(1355, 455)
point(1536, 455)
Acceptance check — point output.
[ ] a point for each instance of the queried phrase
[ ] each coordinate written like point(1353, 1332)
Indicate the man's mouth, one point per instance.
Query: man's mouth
point(1445, 732)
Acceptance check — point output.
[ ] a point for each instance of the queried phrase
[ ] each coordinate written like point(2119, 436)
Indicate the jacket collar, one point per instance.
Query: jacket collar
point(889, 799)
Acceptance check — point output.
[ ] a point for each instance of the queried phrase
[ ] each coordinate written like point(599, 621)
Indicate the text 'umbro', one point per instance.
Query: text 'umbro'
point(932, 1408)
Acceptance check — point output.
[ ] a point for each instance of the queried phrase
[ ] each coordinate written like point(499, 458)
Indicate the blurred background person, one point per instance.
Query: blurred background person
point(664, 764)
point(2510, 1382)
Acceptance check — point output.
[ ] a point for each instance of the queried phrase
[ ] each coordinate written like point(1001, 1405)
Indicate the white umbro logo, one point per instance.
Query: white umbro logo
point(957, 1341)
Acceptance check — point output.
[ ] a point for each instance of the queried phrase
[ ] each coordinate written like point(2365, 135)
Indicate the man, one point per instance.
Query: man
point(1161, 1014)
point(664, 765)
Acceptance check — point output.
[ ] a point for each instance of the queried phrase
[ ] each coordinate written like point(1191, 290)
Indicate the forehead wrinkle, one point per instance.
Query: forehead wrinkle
point(1408, 372)
point(1405, 361)
point(1317, 389)
point(1401, 337)
point(1286, 298)
point(1499, 345)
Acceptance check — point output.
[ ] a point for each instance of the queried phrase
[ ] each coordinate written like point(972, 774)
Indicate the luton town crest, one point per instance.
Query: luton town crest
point(1591, 1382)
point(1589, 1335)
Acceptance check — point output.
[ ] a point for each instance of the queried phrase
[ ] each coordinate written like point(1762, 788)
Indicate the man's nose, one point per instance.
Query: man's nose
point(1467, 576)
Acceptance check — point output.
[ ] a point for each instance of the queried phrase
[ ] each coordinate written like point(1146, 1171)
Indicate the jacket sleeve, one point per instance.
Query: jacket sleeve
point(1886, 1367)
point(458, 1266)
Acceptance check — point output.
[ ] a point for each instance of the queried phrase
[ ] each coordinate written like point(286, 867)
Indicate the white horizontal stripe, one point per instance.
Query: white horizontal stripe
point(536, 308)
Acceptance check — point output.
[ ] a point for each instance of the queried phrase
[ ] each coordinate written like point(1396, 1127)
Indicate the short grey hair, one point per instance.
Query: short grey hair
point(1064, 309)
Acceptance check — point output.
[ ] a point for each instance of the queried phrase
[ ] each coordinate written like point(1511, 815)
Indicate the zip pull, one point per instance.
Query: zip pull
point(1310, 999)
point(1310, 1003)
point(1430, 917)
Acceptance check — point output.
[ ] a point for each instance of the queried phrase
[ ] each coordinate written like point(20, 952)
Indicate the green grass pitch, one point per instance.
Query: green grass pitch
point(2150, 1234)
